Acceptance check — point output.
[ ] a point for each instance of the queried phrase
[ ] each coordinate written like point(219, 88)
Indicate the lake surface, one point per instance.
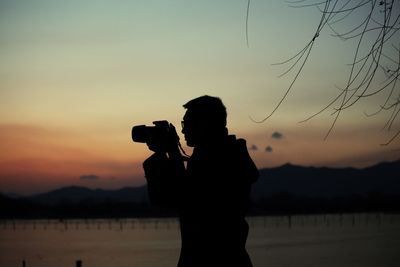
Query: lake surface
point(330, 240)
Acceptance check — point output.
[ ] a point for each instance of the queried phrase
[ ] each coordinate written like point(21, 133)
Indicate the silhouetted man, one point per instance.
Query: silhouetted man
point(211, 195)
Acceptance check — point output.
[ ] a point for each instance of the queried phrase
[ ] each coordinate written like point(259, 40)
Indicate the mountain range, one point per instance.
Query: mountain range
point(76, 194)
point(383, 178)
point(294, 183)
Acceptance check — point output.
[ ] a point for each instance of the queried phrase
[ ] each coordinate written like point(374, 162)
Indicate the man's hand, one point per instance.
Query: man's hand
point(157, 145)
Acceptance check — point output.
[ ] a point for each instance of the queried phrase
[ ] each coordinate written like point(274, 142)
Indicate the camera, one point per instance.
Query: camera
point(161, 137)
point(161, 132)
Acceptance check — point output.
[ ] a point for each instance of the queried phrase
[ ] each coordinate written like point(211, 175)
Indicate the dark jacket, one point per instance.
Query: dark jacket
point(211, 198)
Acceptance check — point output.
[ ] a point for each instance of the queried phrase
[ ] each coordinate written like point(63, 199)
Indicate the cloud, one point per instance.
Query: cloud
point(277, 135)
point(268, 149)
point(89, 177)
point(253, 147)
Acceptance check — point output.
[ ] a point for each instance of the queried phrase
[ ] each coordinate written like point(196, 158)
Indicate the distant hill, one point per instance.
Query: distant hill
point(382, 178)
point(79, 202)
point(286, 189)
point(76, 194)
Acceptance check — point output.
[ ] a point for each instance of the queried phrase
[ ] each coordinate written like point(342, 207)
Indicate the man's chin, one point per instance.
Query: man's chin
point(189, 143)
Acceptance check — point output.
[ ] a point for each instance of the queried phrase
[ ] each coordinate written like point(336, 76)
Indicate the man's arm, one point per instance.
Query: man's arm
point(164, 180)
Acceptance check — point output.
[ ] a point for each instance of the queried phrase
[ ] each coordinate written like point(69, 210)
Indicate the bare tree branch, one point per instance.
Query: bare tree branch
point(374, 69)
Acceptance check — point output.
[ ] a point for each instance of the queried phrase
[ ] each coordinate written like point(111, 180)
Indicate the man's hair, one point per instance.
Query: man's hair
point(208, 108)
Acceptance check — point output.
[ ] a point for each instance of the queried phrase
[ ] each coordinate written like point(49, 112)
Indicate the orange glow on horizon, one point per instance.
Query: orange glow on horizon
point(33, 157)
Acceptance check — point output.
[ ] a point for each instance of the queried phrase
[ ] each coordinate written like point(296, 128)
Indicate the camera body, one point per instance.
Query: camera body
point(147, 134)
point(161, 137)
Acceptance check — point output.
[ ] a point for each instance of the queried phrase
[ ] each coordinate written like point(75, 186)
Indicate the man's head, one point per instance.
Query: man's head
point(204, 120)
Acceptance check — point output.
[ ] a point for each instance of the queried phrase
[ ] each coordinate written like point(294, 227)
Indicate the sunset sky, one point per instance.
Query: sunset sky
point(75, 76)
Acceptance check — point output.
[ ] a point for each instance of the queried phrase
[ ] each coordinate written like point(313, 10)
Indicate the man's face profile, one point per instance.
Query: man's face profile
point(190, 129)
point(197, 131)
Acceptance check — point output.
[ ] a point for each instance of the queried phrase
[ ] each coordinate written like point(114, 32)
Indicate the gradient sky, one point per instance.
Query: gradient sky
point(75, 76)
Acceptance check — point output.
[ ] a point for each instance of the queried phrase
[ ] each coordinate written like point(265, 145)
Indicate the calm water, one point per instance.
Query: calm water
point(331, 240)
